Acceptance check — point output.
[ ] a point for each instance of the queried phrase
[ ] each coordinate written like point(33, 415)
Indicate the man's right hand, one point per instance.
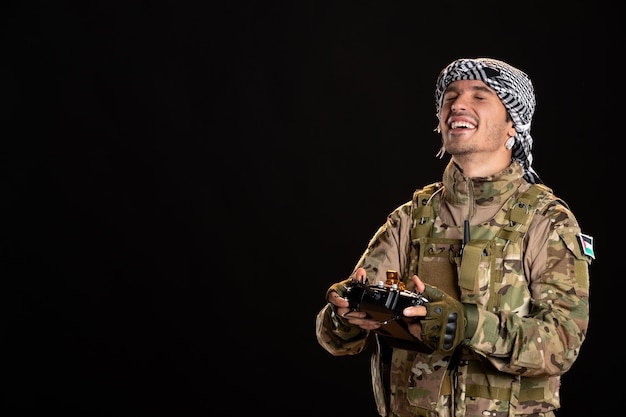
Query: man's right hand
point(342, 307)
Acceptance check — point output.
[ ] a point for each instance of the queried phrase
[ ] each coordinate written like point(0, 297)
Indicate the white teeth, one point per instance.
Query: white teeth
point(454, 125)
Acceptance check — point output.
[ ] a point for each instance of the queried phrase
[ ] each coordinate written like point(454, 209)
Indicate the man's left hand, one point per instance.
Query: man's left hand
point(442, 327)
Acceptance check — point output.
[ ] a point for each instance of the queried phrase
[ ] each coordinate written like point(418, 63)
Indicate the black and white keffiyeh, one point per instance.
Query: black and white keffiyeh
point(514, 89)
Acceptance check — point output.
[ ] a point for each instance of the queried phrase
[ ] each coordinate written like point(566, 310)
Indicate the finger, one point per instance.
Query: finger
point(358, 319)
point(419, 285)
point(417, 311)
point(351, 314)
point(337, 300)
point(369, 324)
point(360, 275)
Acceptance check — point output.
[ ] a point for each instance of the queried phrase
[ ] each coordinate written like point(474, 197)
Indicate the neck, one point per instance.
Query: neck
point(475, 167)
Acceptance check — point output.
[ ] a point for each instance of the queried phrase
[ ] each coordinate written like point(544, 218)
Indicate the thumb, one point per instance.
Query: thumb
point(360, 275)
point(419, 285)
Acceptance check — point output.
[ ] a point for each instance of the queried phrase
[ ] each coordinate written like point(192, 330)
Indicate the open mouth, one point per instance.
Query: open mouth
point(462, 125)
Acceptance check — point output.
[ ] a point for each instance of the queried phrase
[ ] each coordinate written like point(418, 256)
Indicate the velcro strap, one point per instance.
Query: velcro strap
point(510, 235)
point(422, 212)
point(422, 221)
point(493, 393)
point(499, 393)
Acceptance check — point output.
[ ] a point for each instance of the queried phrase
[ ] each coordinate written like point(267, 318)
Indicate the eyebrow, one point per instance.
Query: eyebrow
point(483, 88)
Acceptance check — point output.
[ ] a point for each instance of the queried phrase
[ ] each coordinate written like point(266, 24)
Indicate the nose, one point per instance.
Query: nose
point(457, 106)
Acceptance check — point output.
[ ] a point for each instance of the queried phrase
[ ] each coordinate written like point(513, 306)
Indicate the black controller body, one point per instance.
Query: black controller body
point(385, 304)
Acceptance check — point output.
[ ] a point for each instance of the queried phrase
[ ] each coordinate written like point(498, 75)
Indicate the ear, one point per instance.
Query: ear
point(512, 132)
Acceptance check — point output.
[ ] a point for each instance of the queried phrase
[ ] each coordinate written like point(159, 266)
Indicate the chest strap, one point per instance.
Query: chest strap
point(520, 214)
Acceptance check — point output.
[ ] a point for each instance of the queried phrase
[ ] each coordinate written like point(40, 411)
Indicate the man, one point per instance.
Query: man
point(500, 260)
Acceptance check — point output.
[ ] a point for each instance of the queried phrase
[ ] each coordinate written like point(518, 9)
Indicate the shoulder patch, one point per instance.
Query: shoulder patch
point(586, 244)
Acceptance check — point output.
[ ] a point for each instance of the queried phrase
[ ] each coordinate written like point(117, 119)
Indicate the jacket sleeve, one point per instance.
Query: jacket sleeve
point(388, 249)
point(547, 340)
point(337, 336)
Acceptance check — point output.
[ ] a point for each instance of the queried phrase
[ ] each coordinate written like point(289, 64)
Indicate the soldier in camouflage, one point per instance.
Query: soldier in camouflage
point(501, 260)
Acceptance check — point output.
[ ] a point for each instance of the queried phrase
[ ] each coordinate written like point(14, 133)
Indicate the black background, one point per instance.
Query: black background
point(182, 181)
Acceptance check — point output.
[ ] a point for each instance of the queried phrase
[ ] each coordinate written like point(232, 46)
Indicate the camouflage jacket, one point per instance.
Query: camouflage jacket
point(530, 283)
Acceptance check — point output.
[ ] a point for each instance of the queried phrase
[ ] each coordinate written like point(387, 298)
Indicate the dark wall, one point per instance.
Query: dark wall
point(182, 182)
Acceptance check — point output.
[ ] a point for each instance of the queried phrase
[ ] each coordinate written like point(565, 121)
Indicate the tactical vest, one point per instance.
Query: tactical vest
point(475, 269)
point(472, 270)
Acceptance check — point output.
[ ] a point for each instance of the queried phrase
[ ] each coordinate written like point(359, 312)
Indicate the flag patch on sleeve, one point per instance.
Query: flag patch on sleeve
point(586, 244)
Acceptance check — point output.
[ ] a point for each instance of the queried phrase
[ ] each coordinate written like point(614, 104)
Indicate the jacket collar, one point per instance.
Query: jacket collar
point(493, 189)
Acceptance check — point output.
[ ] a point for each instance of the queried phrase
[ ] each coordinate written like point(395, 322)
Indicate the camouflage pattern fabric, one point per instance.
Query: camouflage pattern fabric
point(531, 293)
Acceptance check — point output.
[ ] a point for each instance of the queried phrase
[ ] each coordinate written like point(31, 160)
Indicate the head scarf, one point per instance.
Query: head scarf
point(514, 89)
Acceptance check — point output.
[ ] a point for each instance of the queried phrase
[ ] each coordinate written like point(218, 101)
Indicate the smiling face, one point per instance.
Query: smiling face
point(474, 126)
